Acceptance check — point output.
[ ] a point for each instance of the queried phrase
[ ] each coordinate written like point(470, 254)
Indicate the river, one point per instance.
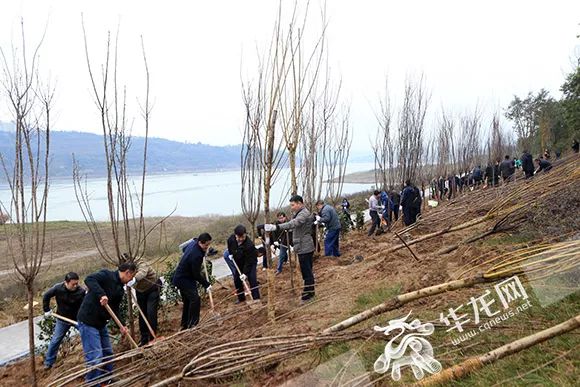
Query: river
point(184, 194)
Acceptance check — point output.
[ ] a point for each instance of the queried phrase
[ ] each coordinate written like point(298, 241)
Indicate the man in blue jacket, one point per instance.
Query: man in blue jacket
point(105, 287)
point(186, 277)
point(329, 217)
point(69, 297)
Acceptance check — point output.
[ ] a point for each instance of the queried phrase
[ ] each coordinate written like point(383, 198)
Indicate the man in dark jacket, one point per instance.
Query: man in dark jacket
point(243, 251)
point(507, 169)
point(69, 297)
point(105, 287)
point(527, 164)
point(411, 202)
point(329, 217)
point(543, 165)
point(301, 225)
point(186, 277)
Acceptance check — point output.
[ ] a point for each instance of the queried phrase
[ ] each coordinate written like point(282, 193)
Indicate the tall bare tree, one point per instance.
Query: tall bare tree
point(125, 197)
point(27, 170)
point(383, 146)
point(411, 127)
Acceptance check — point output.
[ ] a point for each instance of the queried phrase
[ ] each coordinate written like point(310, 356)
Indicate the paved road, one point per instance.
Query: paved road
point(14, 341)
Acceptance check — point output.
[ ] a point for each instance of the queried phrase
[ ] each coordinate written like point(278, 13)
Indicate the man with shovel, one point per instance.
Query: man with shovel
point(301, 224)
point(244, 255)
point(186, 277)
point(104, 296)
point(69, 297)
point(147, 287)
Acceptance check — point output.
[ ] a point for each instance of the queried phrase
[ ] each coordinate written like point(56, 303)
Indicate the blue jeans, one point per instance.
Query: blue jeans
point(331, 243)
point(282, 257)
point(60, 330)
point(97, 349)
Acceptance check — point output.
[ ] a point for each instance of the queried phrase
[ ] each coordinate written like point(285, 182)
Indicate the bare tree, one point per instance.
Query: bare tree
point(469, 140)
point(338, 151)
point(383, 146)
point(30, 103)
point(251, 169)
point(411, 126)
point(125, 199)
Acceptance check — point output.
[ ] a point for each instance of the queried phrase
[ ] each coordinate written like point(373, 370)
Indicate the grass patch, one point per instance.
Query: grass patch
point(375, 297)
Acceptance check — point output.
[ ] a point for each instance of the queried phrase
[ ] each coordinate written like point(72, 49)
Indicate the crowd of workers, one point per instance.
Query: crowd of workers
point(90, 309)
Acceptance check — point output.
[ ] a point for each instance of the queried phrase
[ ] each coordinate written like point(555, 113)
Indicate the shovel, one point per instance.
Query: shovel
point(121, 326)
point(247, 289)
point(209, 293)
point(153, 335)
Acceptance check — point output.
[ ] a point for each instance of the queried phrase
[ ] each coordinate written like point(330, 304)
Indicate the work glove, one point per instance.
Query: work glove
point(269, 227)
point(318, 218)
point(277, 244)
point(48, 314)
point(131, 283)
point(208, 289)
point(243, 277)
point(231, 257)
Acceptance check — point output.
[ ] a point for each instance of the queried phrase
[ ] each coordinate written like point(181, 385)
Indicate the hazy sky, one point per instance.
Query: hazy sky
point(470, 53)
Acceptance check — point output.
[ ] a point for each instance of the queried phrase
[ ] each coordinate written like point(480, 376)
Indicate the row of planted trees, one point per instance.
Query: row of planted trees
point(297, 126)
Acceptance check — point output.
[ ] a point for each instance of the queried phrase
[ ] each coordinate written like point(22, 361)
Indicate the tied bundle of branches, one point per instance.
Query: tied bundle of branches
point(547, 260)
point(226, 360)
point(477, 362)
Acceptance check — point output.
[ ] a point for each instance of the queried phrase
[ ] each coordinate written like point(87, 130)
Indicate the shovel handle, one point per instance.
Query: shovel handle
point(246, 286)
point(143, 315)
point(207, 279)
point(65, 319)
point(121, 326)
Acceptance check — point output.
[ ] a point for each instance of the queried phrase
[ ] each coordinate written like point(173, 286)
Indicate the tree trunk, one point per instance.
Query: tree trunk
point(293, 179)
point(31, 347)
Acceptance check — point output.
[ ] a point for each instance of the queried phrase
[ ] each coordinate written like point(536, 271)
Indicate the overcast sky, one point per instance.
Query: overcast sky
point(470, 53)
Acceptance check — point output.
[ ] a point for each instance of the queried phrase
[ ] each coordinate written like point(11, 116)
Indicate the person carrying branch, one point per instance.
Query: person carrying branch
point(301, 224)
point(186, 277)
point(147, 287)
point(105, 287)
point(329, 217)
point(243, 251)
point(69, 297)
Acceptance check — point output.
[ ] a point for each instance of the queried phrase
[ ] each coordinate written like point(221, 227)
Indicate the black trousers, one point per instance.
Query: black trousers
point(191, 306)
point(149, 303)
point(305, 261)
point(376, 222)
